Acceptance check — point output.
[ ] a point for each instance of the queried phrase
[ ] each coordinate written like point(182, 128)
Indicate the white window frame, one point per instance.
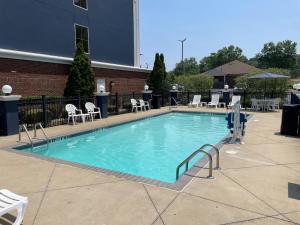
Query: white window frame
point(87, 5)
point(88, 30)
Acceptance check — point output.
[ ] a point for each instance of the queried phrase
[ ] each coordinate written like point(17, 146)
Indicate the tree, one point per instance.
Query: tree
point(81, 78)
point(158, 76)
point(253, 62)
point(223, 56)
point(187, 67)
point(164, 70)
point(280, 55)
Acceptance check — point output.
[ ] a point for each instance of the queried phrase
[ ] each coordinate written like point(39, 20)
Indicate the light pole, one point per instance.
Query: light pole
point(182, 45)
point(141, 57)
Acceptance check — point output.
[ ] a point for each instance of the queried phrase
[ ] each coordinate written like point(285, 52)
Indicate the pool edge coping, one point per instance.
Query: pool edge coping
point(179, 185)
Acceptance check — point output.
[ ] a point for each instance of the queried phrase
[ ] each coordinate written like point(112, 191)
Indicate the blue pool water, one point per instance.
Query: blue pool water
point(150, 148)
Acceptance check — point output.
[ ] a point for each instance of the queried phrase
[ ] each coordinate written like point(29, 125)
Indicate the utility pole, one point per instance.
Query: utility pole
point(182, 46)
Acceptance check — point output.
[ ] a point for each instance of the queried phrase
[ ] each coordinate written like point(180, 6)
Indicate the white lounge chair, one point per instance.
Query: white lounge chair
point(215, 98)
point(92, 110)
point(196, 101)
point(144, 104)
point(72, 113)
point(135, 106)
point(234, 100)
point(10, 202)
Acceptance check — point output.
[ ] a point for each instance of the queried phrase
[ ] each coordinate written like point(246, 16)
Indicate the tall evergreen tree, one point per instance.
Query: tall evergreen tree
point(82, 76)
point(158, 75)
point(162, 61)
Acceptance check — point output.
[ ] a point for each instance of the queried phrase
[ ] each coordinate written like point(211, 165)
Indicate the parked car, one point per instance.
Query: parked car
point(296, 87)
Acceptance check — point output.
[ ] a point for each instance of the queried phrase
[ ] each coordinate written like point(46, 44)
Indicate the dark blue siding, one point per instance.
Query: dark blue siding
point(47, 27)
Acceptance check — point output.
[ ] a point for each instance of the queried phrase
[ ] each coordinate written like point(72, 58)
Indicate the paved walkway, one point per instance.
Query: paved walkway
point(259, 183)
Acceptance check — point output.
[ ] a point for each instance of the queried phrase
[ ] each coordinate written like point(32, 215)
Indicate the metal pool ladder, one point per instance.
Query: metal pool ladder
point(23, 127)
point(210, 158)
point(176, 103)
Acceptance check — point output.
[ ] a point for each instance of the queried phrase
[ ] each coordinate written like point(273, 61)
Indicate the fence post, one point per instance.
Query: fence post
point(79, 101)
point(188, 97)
point(162, 99)
point(133, 94)
point(244, 96)
point(272, 94)
point(209, 93)
point(44, 108)
point(117, 103)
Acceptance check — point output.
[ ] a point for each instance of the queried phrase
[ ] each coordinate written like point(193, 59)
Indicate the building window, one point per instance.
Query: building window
point(81, 3)
point(82, 36)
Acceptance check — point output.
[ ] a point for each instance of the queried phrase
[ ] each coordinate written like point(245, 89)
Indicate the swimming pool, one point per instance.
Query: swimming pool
point(150, 148)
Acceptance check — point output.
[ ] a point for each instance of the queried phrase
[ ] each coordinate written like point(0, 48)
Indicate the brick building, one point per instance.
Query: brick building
point(38, 40)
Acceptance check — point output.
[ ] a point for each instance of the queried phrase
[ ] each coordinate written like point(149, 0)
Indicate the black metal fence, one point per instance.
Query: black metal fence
point(50, 111)
point(246, 96)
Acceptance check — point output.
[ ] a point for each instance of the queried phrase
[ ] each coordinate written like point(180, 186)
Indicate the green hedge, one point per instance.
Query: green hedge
point(195, 83)
point(35, 116)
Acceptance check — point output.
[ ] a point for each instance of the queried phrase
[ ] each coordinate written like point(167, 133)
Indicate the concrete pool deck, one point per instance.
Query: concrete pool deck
point(259, 183)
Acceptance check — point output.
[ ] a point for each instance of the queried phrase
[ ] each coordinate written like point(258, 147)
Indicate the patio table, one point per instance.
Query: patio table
point(84, 116)
point(222, 104)
point(265, 103)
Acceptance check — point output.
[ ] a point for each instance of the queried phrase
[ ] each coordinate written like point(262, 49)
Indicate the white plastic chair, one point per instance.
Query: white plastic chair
point(147, 104)
point(72, 113)
point(92, 110)
point(144, 104)
point(135, 106)
point(196, 101)
point(234, 100)
point(254, 104)
point(215, 98)
point(276, 104)
point(10, 202)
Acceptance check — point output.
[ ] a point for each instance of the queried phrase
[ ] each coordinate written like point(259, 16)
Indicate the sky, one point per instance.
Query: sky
point(210, 25)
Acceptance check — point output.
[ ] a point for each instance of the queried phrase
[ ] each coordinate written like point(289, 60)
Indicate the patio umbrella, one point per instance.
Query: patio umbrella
point(267, 76)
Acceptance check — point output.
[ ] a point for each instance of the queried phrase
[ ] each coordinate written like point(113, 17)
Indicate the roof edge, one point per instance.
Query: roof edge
point(30, 56)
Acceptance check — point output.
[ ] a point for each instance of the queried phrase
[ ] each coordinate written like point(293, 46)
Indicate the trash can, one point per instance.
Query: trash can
point(156, 101)
point(226, 97)
point(290, 124)
point(295, 98)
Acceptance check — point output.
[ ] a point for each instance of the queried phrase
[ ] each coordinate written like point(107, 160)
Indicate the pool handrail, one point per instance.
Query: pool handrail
point(217, 153)
point(43, 131)
point(200, 150)
point(23, 126)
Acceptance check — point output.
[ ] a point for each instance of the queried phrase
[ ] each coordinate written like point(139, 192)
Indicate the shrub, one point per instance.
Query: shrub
point(195, 83)
point(82, 76)
point(276, 85)
point(35, 116)
point(295, 73)
point(158, 78)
